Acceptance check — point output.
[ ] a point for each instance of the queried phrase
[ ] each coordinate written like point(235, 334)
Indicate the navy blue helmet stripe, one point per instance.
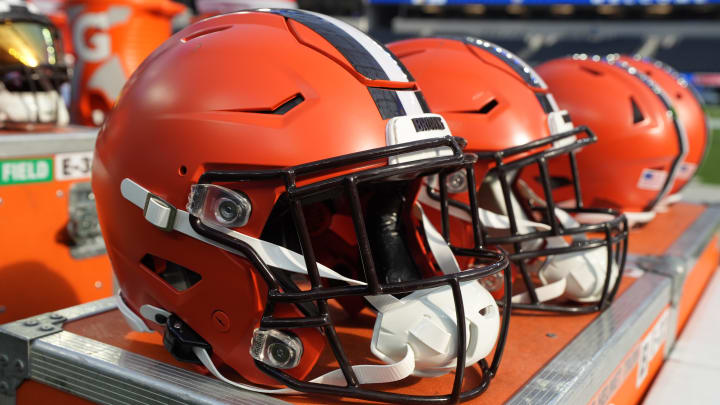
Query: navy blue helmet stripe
point(367, 57)
point(359, 57)
point(387, 102)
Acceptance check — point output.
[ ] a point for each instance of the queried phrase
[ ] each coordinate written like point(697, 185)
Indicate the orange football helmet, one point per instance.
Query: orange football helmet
point(688, 105)
point(641, 143)
point(262, 163)
point(503, 109)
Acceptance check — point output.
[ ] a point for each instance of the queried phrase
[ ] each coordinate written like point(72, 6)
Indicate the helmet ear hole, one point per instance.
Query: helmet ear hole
point(176, 276)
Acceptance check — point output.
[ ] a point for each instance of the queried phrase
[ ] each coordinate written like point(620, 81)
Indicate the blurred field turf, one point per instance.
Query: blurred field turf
point(709, 172)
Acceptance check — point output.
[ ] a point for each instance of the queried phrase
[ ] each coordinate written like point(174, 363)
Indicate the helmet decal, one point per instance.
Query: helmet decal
point(368, 58)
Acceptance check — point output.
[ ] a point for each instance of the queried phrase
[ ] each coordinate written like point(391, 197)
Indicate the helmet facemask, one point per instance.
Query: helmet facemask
point(565, 265)
point(456, 308)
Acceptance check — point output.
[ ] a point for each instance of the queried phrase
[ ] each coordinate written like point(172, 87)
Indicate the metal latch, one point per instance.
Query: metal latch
point(15, 340)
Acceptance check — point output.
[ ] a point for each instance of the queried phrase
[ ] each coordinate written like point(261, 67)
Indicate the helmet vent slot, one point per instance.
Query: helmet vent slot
point(176, 276)
point(637, 114)
point(202, 33)
point(488, 107)
point(288, 105)
point(282, 109)
point(591, 71)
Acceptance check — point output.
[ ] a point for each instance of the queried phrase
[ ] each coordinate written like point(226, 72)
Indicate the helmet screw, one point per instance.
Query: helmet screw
point(221, 321)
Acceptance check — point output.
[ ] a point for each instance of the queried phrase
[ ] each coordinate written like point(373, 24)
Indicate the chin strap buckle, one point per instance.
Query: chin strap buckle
point(159, 212)
point(181, 340)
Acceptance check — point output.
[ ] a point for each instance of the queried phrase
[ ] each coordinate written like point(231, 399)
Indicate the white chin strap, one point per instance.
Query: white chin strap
point(665, 203)
point(411, 344)
point(633, 218)
point(578, 276)
point(42, 107)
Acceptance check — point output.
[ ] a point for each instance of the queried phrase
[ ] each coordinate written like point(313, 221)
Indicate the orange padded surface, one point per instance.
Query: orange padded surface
point(37, 270)
point(532, 342)
point(657, 236)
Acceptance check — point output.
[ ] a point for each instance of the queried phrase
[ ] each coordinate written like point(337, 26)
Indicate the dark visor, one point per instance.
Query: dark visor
point(29, 44)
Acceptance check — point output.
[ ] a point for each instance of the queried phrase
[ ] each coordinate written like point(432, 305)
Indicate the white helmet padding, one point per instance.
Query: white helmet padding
point(426, 322)
point(42, 107)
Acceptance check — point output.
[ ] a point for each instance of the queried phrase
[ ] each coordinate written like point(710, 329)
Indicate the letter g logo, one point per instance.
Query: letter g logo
point(97, 47)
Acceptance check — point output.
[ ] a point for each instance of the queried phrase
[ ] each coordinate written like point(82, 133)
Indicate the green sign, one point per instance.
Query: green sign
point(25, 171)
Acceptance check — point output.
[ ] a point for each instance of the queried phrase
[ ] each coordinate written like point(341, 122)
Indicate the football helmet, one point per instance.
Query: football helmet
point(503, 109)
point(688, 105)
point(55, 11)
point(259, 165)
point(641, 143)
point(32, 69)
point(213, 7)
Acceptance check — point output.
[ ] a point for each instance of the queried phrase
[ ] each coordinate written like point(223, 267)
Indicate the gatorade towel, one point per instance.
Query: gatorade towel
point(110, 39)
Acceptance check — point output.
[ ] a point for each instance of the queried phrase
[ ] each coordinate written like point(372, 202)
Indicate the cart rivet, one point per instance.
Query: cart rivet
point(47, 328)
point(4, 360)
point(31, 322)
point(177, 325)
point(4, 387)
point(55, 316)
point(19, 366)
point(551, 335)
point(59, 193)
